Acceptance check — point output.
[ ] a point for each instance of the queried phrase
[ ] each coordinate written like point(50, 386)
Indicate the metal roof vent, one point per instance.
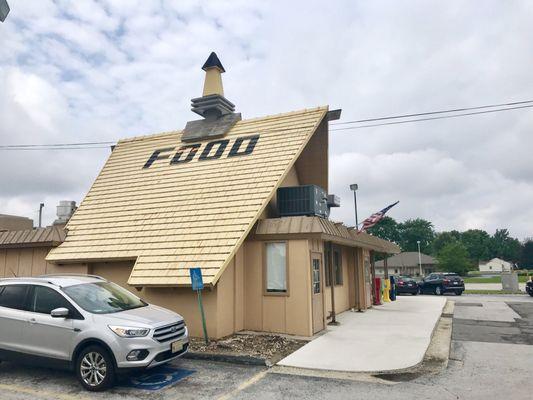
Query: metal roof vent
point(65, 209)
point(218, 112)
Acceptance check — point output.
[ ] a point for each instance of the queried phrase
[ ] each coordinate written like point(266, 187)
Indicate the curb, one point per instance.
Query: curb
point(437, 354)
point(227, 358)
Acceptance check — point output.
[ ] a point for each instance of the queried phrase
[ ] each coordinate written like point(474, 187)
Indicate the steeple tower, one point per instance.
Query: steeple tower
point(218, 112)
point(213, 76)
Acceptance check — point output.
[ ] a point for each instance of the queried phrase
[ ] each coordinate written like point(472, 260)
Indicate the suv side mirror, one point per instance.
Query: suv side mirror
point(61, 312)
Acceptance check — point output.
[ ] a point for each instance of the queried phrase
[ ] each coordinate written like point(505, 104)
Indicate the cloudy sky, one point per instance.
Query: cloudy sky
point(84, 70)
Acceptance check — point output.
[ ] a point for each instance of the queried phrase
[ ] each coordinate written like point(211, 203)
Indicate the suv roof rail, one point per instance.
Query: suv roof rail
point(72, 275)
point(28, 278)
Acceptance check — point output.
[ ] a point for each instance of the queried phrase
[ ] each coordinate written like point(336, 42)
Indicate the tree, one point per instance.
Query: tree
point(442, 239)
point(477, 243)
point(526, 255)
point(413, 230)
point(453, 257)
point(504, 246)
point(387, 229)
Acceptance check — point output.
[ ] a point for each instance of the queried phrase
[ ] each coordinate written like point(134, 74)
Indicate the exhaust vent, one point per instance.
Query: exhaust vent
point(65, 209)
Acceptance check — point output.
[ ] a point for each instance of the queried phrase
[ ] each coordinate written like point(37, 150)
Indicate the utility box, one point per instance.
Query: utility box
point(310, 200)
point(510, 282)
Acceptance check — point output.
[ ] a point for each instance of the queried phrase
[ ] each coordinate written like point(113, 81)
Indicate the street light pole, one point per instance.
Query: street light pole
point(354, 188)
point(419, 257)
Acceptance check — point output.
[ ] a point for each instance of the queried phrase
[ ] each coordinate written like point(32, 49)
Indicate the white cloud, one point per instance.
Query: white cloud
point(105, 69)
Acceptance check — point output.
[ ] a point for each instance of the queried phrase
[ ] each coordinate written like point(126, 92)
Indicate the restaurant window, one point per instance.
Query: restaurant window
point(337, 266)
point(276, 267)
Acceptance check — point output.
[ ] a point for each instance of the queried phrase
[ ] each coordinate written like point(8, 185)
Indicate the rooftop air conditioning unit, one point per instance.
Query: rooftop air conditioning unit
point(302, 200)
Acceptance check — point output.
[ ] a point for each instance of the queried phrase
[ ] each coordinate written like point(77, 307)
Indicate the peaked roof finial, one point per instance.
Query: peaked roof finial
point(218, 112)
point(213, 62)
point(213, 79)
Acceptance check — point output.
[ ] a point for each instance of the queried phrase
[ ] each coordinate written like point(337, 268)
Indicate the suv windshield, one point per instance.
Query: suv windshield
point(103, 297)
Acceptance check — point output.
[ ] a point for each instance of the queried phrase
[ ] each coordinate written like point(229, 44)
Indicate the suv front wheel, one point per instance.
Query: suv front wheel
point(94, 368)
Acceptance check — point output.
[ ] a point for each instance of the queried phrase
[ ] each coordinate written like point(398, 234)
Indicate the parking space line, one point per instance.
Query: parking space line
point(257, 377)
point(41, 394)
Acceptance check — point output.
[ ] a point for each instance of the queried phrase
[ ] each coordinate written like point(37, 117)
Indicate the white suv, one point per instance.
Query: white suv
point(88, 324)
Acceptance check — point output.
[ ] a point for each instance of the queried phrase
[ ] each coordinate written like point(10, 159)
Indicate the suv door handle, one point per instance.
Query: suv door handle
point(32, 321)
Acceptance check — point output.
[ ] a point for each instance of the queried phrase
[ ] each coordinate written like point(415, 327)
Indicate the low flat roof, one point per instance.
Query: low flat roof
point(38, 237)
point(328, 230)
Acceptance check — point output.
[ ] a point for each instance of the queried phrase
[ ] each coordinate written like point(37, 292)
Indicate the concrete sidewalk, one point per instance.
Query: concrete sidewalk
point(491, 286)
point(393, 336)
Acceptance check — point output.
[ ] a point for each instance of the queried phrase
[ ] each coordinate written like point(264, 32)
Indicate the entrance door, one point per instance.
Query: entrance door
point(316, 293)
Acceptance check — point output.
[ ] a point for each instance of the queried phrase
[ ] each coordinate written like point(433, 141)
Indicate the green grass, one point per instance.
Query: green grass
point(490, 292)
point(492, 279)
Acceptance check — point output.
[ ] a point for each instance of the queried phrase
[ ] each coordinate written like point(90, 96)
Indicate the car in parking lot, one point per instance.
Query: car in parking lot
point(529, 287)
point(406, 284)
point(442, 282)
point(87, 324)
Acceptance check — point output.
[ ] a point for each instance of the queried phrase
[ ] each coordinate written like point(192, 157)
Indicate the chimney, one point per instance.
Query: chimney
point(65, 209)
point(217, 111)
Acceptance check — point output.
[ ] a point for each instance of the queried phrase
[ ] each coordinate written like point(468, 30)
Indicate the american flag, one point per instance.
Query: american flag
point(375, 218)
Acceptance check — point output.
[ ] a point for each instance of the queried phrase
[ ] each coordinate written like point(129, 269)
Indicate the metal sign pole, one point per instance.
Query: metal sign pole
point(201, 305)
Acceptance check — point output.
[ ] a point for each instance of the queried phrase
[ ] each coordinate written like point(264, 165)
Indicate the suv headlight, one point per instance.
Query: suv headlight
point(128, 332)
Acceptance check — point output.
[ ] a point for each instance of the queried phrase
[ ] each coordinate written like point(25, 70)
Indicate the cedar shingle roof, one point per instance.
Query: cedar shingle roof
point(50, 236)
point(170, 218)
point(334, 231)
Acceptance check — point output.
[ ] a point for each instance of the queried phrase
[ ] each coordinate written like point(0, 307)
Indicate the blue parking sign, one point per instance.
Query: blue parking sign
point(196, 278)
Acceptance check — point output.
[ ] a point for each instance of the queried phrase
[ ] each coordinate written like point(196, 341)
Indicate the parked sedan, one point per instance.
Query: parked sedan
point(405, 284)
point(442, 282)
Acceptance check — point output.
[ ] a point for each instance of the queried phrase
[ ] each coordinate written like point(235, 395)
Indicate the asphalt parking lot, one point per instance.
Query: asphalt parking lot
point(491, 358)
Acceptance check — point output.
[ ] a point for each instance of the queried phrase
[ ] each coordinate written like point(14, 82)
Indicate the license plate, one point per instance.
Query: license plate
point(409, 284)
point(176, 346)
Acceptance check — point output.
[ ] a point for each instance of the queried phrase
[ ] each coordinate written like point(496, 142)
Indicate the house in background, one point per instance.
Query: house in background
point(407, 263)
point(495, 265)
point(209, 196)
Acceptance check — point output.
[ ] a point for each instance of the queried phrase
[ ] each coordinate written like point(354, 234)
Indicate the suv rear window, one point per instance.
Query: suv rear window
point(14, 296)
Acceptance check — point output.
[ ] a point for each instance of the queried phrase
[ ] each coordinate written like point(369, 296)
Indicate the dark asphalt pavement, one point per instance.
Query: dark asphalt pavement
point(489, 360)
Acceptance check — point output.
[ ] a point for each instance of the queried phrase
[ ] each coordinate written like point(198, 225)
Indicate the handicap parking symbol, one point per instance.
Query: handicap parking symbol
point(157, 379)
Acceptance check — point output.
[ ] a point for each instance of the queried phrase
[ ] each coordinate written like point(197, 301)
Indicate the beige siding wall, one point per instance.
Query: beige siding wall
point(312, 165)
point(290, 180)
point(225, 290)
point(31, 262)
point(341, 292)
point(368, 278)
point(362, 273)
point(223, 305)
point(354, 291)
point(270, 313)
